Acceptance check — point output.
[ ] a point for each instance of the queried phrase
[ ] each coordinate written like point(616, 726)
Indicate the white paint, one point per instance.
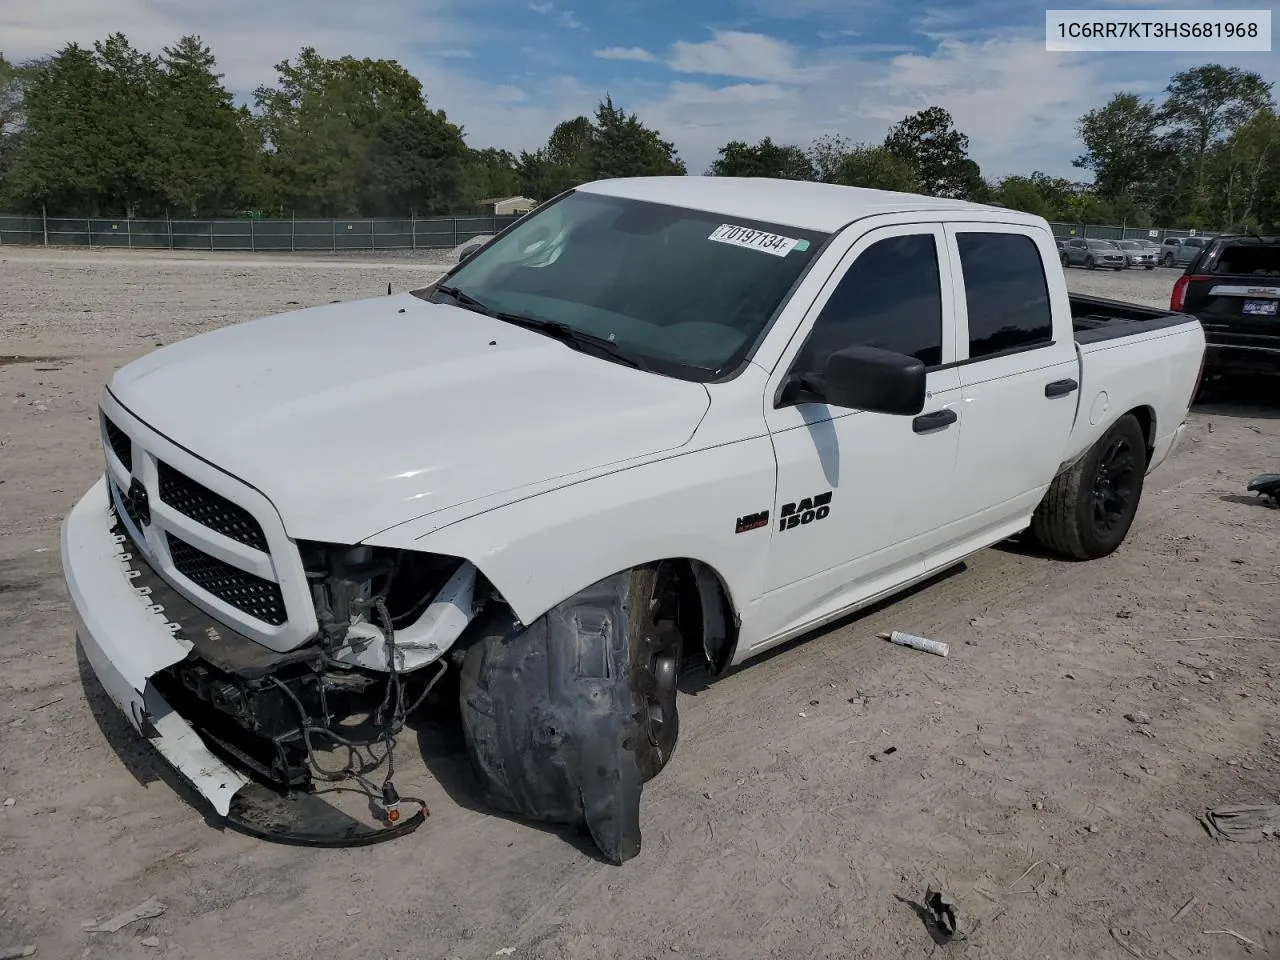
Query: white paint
point(440, 430)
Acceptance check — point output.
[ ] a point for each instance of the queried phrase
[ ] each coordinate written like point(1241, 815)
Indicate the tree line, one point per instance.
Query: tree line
point(111, 130)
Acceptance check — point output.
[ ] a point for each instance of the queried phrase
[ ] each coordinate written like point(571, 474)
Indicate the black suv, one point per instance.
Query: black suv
point(1233, 288)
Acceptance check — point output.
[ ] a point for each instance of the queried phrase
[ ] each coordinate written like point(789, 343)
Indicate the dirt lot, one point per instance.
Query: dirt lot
point(1017, 781)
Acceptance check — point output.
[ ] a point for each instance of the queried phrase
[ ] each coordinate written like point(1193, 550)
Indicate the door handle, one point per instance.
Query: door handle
point(934, 421)
point(1060, 388)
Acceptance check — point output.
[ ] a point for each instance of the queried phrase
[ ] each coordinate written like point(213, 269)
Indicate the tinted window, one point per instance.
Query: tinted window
point(1006, 292)
point(890, 297)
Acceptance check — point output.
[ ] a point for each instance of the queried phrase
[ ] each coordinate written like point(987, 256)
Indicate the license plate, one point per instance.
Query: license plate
point(1259, 308)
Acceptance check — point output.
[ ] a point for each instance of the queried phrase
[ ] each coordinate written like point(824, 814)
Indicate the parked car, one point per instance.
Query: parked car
point(1177, 251)
point(657, 420)
point(1092, 254)
point(1233, 288)
point(1137, 254)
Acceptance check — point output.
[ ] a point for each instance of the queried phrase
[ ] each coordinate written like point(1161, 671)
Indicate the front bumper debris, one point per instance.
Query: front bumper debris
point(145, 642)
point(127, 640)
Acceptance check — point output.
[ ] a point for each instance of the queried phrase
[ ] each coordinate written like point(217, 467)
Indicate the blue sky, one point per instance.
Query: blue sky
point(701, 71)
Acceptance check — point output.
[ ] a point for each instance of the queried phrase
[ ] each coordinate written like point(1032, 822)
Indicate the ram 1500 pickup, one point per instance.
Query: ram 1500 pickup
point(656, 421)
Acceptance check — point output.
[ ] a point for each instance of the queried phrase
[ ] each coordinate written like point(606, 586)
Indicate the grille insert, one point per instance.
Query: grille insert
point(209, 509)
point(243, 590)
point(121, 445)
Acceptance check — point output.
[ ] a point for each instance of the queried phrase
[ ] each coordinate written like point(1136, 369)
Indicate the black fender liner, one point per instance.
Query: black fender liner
point(552, 712)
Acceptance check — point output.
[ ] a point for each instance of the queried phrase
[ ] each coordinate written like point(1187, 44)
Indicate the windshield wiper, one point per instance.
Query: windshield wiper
point(577, 339)
point(566, 334)
point(464, 299)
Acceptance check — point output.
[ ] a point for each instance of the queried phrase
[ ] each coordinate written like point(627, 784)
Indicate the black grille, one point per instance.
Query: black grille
point(120, 443)
point(129, 508)
point(209, 509)
point(239, 588)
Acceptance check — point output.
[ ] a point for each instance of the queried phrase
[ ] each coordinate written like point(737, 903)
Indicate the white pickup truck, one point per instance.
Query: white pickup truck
point(657, 419)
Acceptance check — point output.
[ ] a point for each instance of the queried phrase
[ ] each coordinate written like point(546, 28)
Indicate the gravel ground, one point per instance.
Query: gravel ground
point(1063, 829)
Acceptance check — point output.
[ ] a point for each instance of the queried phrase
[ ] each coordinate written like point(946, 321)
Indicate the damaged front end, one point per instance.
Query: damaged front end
point(565, 718)
point(302, 722)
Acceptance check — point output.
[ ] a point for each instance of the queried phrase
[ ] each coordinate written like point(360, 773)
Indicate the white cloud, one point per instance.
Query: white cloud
point(638, 54)
point(733, 53)
point(542, 8)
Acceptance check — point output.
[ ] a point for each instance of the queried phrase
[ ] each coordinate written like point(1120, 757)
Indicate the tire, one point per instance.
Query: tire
point(1088, 510)
point(1088, 262)
point(1151, 267)
point(1066, 261)
point(1167, 261)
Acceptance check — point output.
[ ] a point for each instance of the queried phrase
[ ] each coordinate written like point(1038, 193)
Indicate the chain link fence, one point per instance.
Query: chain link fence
point(333, 236)
point(1098, 231)
point(252, 235)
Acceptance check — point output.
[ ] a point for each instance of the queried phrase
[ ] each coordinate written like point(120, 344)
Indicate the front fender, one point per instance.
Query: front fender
point(544, 549)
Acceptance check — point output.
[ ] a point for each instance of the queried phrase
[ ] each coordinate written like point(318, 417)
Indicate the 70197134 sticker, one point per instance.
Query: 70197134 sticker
point(772, 243)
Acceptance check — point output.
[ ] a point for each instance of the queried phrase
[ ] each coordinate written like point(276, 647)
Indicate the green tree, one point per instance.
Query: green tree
point(489, 172)
point(350, 136)
point(867, 165)
point(930, 142)
point(56, 160)
point(1205, 106)
point(570, 147)
point(205, 150)
point(1121, 140)
point(826, 154)
point(1244, 175)
point(764, 159)
point(621, 146)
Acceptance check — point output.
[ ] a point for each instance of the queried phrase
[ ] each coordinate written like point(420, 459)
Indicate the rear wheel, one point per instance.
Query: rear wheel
point(1066, 261)
point(1088, 509)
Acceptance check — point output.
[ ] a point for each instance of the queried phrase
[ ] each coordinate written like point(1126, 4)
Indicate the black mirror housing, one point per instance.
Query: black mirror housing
point(879, 381)
point(467, 252)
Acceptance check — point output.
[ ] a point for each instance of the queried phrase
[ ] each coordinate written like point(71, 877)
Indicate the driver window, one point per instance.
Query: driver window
point(890, 297)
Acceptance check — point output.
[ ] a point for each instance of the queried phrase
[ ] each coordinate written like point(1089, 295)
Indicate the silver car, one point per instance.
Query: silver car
point(1179, 251)
point(1138, 253)
point(1093, 254)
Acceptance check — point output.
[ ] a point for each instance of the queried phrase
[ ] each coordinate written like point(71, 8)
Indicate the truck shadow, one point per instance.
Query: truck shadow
point(1251, 398)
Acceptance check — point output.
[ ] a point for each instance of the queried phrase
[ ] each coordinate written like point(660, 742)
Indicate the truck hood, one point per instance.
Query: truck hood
point(355, 417)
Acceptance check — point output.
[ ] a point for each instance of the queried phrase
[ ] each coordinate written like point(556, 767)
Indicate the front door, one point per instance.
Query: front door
point(861, 494)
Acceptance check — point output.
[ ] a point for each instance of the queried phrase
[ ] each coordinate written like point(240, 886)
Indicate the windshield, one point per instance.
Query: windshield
point(687, 293)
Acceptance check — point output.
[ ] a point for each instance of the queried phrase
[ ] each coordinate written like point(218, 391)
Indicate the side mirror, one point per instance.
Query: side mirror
point(470, 250)
point(864, 378)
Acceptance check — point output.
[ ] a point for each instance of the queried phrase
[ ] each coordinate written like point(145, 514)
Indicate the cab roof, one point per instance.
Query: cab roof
point(824, 207)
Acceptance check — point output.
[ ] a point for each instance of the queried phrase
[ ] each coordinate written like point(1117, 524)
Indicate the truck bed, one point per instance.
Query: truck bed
point(1132, 357)
point(1094, 319)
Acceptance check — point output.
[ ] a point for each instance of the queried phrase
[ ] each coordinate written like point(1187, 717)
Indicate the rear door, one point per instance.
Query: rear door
point(1018, 373)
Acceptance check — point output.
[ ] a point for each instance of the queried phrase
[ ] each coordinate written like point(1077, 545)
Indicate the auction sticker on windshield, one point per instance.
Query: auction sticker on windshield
point(755, 239)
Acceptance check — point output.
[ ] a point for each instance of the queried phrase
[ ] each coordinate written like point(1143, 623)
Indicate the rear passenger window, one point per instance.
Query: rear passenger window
point(1006, 292)
point(890, 297)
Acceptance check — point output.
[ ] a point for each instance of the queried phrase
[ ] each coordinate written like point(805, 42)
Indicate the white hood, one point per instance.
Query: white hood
point(352, 418)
